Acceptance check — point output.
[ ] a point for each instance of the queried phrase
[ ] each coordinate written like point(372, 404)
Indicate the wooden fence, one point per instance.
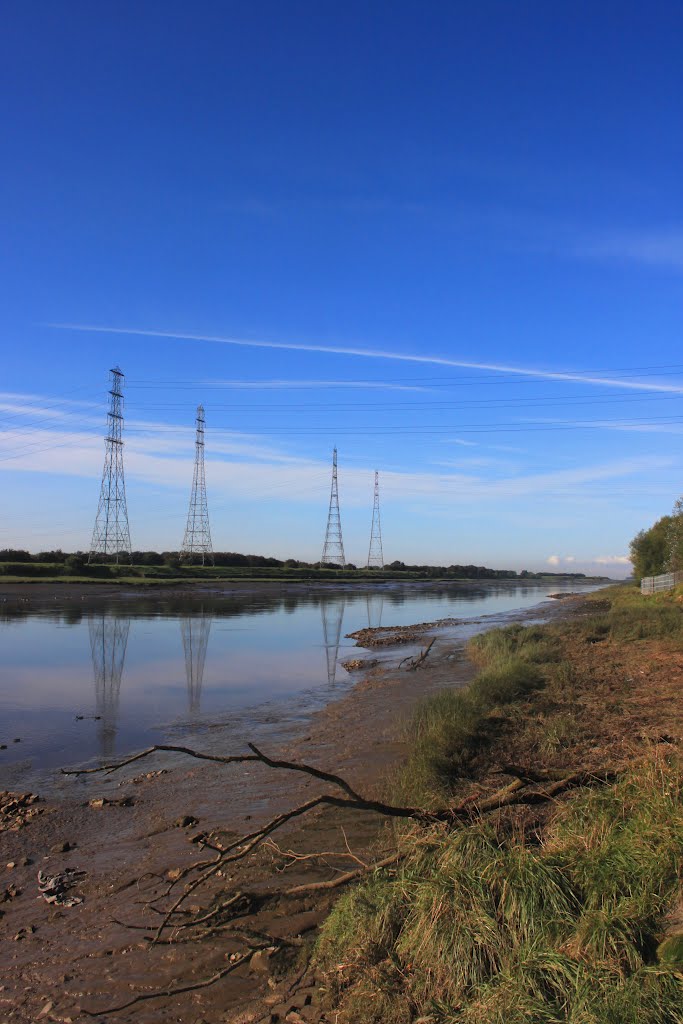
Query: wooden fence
point(656, 584)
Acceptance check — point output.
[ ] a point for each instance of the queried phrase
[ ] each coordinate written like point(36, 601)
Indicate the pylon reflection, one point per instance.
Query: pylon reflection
point(108, 642)
point(332, 613)
point(195, 631)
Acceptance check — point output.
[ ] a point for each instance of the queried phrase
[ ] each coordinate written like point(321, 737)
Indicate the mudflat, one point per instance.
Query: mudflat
point(132, 832)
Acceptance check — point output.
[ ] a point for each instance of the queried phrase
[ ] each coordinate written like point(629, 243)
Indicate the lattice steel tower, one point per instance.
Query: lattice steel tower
point(111, 535)
point(375, 556)
point(333, 548)
point(197, 539)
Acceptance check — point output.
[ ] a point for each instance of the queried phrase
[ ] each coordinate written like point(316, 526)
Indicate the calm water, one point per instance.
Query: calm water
point(154, 670)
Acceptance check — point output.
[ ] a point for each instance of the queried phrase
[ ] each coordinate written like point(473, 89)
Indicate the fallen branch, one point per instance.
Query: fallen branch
point(347, 877)
point(179, 989)
point(528, 787)
point(422, 656)
point(413, 661)
point(515, 793)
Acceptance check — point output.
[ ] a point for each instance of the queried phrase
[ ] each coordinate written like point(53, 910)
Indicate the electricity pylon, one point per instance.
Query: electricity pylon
point(333, 548)
point(108, 642)
point(197, 539)
point(194, 631)
point(332, 613)
point(111, 535)
point(375, 556)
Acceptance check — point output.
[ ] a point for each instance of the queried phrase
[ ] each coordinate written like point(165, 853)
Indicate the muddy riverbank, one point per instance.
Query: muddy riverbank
point(87, 957)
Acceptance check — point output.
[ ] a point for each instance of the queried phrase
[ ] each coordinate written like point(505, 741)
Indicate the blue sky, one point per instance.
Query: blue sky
point(446, 237)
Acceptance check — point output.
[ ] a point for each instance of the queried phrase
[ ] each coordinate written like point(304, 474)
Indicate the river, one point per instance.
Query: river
point(86, 679)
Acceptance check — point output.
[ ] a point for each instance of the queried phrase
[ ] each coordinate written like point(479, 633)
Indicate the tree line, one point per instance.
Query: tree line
point(78, 560)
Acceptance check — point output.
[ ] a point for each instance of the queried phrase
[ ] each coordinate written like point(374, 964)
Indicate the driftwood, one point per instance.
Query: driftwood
point(528, 787)
point(418, 660)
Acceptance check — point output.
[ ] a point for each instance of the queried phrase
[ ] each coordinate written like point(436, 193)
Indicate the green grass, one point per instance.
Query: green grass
point(453, 728)
point(626, 615)
point(483, 926)
point(487, 925)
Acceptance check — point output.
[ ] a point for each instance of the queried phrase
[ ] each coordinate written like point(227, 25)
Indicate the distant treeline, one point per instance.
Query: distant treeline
point(17, 562)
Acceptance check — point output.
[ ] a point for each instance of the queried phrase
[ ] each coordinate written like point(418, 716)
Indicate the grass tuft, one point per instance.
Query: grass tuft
point(486, 927)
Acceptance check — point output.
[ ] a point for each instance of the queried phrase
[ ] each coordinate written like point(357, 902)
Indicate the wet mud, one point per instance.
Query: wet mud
point(128, 832)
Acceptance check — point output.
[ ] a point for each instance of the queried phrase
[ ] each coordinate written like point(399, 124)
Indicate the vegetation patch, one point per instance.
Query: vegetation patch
point(566, 916)
point(482, 925)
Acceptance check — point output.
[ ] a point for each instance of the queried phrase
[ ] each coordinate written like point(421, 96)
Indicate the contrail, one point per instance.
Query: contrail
point(372, 353)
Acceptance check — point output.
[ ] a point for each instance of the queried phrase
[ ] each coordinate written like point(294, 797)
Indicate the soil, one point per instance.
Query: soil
point(63, 963)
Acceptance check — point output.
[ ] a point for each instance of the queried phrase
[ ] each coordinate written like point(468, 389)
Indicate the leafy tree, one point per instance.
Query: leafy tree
point(650, 549)
point(674, 561)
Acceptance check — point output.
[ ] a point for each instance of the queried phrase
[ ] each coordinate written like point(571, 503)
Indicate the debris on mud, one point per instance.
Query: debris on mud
point(16, 809)
point(105, 801)
point(359, 664)
point(391, 636)
point(55, 888)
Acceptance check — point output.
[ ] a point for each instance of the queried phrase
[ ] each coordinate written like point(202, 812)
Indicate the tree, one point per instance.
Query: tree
point(675, 538)
point(650, 549)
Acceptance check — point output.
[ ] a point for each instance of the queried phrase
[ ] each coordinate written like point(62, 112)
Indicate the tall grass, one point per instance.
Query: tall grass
point(481, 926)
point(452, 729)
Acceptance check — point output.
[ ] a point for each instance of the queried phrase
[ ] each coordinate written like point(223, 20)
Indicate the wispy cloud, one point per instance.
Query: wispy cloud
point(663, 248)
point(372, 353)
point(244, 466)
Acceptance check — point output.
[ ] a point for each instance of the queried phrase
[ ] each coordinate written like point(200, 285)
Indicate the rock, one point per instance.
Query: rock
point(186, 821)
point(259, 962)
point(17, 739)
point(3, 746)
point(198, 837)
point(97, 802)
point(25, 861)
point(173, 874)
point(62, 847)
point(46, 1009)
point(10, 864)
point(306, 996)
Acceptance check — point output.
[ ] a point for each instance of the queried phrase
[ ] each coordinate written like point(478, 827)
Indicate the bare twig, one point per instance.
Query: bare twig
point(179, 989)
point(422, 656)
point(349, 876)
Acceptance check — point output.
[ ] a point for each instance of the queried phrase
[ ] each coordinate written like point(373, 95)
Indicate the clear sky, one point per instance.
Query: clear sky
point(446, 237)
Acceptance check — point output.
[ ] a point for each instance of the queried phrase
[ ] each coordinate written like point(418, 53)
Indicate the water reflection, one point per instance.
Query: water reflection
point(375, 605)
point(108, 643)
point(332, 613)
point(264, 653)
point(194, 631)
